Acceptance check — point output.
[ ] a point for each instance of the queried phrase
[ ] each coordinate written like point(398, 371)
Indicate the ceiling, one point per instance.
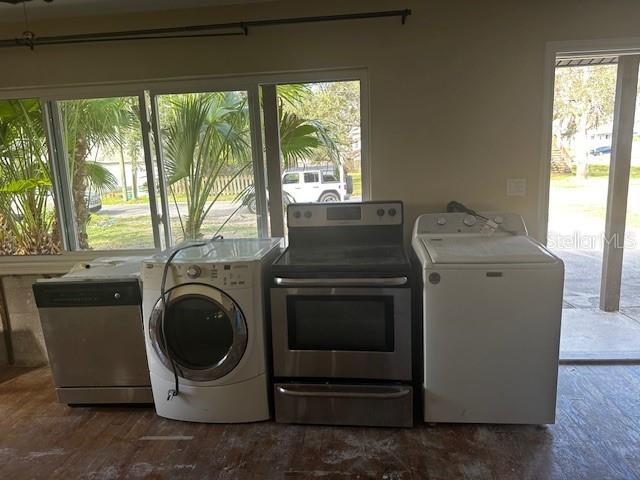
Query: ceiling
point(39, 9)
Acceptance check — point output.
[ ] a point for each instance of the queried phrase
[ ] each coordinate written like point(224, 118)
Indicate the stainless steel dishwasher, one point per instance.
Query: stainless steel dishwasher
point(92, 325)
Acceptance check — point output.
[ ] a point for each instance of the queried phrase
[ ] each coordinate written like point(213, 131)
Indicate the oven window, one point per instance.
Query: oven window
point(360, 323)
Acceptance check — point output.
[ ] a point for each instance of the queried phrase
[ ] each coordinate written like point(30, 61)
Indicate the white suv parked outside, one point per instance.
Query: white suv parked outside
point(316, 184)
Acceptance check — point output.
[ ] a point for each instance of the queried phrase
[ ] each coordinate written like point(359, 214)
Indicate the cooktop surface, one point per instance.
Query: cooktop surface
point(344, 256)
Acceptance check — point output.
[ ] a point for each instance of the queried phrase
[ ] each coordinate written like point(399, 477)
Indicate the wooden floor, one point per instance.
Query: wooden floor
point(597, 436)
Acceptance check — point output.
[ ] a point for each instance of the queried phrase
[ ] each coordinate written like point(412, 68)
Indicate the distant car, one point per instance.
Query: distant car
point(310, 184)
point(603, 150)
point(94, 201)
point(317, 184)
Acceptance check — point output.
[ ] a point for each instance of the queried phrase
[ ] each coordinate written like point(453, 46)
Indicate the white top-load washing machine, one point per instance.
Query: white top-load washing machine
point(492, 304)
point(213, 332)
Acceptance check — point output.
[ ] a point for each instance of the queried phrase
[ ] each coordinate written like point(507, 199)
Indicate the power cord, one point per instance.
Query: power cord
point(454, 206)
point(163, 296)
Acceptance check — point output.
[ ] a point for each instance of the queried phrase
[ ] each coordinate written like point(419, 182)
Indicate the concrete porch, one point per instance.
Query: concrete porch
point(588, 333)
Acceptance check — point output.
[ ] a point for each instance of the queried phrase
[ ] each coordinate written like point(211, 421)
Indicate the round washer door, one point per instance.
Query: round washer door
point(206, 332)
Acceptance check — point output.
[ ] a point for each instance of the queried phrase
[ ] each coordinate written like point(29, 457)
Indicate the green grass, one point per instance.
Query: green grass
point(107, 232)
point(573, 197)
point(357, 184)
point(595, 171)
point(116, 233)
point(116, 199)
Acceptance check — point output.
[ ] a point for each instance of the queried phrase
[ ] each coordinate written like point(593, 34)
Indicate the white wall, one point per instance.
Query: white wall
point(455, 95)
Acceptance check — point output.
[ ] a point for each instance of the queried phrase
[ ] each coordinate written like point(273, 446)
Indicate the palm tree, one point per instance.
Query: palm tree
point(88, 125)
point(300, 138)
point(27, 218)
point(26, 194)
point(206, 135)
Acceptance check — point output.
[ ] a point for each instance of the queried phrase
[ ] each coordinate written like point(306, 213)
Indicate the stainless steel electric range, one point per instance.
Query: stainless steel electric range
point(341, 317)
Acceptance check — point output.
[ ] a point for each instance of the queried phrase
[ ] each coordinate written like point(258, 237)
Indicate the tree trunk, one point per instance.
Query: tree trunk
point(134, 175)
point(123, 173)
point(582, 148)
point(79, 181)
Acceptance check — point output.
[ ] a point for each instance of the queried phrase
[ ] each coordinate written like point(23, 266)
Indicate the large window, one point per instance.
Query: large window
point(106, 171)
point(320, 137)
point(158, 166)
point(208, 164)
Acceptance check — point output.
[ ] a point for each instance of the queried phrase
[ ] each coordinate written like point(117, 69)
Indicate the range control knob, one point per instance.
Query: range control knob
point(392, 212)
point(380, 212)
point(117, 296)
point(470, 220)
point(442, 221)
point(194, 271)
point(307, 214)
point(297, 214)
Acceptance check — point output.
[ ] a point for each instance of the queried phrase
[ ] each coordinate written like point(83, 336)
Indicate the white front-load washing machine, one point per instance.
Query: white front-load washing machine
point(492, 303)
point(206, 339)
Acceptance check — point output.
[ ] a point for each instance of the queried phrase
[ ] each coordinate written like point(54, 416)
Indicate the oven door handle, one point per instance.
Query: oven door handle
point(341, 282)
point(398, 393)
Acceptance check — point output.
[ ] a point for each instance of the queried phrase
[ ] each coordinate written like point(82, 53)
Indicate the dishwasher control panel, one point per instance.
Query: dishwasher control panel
point(87, 293)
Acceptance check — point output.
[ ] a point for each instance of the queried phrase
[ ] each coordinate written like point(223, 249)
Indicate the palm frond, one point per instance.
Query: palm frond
point(101, 179)
point(300, 138)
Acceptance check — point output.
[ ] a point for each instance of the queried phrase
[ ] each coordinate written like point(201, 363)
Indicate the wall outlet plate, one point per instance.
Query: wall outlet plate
point(516, 187)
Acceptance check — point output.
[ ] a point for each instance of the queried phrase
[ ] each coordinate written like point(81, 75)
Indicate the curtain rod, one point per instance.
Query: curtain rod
point(30, 40)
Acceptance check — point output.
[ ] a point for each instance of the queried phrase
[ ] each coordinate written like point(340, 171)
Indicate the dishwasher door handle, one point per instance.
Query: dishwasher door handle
point(341, 282)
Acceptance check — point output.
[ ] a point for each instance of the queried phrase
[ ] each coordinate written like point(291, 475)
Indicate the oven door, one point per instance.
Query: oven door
point(350, 333)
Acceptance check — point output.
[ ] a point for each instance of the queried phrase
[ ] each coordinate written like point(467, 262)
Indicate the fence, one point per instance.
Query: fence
point(234, 186)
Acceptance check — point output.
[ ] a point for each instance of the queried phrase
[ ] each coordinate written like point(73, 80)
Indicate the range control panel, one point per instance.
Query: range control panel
point(344, 214)
point(440, 223)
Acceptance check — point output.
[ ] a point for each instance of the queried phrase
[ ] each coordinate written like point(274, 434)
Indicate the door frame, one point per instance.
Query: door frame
point(574, 48)
point(628, 53)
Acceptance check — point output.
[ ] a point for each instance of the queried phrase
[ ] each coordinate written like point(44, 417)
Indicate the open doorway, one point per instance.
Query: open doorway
point(630, 287)
point(593, 221)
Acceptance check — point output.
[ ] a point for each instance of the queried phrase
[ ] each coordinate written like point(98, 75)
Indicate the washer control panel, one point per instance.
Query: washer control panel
point(344, 214)
point(221, 275)
point(464, 223)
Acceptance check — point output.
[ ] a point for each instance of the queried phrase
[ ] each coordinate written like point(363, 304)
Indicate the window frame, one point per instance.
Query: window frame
point(251, 83)
point(59, 164)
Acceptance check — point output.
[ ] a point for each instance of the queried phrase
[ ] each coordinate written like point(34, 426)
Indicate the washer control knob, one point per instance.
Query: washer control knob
point(194, 271)
point(307, 214)
point(392, 212)
point(470, 220)
point(441, 221)
point(498, 220)
point(380, 212)
point(297, 214)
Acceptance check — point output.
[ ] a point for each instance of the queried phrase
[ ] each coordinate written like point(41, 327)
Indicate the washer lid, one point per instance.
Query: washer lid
point(485, 249)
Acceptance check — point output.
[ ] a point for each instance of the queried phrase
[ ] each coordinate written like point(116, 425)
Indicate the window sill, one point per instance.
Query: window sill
point(57, 264)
